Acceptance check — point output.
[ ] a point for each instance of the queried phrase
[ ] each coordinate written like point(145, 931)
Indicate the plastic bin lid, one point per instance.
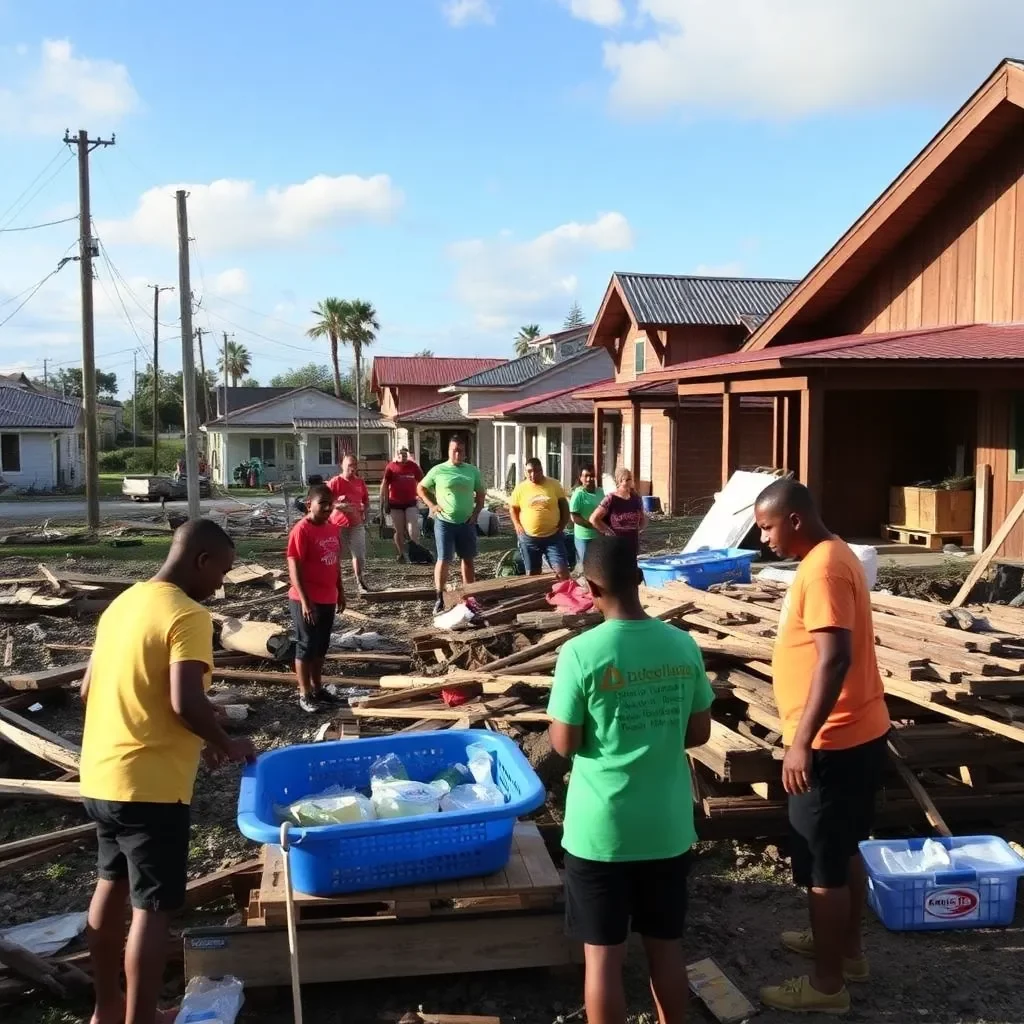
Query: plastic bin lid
point(696, 558)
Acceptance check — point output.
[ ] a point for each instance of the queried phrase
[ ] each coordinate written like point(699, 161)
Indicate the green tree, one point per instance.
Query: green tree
point(250, 382)
point(360, 327)
point(526, 334)
point(169, 402)
point(317, 375)
point(330, 324)
point(424, 353)
point(575, 317)
point(69, 381)
point(239, 361)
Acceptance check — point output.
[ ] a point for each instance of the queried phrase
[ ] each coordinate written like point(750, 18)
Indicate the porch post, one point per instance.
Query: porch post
point(635, 454)
point(519, 451)
point(730, 435)
point(303, 450)
point(566, 454)
point(598, 443)
point(495, 449)
point(786, 413)
point(812, 409)
point(778, 457)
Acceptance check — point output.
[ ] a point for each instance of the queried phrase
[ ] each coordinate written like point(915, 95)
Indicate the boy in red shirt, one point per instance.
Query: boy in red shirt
point(314, 568)
point(351, 506)
point(398, 496)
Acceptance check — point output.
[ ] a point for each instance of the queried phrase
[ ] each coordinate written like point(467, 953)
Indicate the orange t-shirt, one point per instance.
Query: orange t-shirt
point(830, 590)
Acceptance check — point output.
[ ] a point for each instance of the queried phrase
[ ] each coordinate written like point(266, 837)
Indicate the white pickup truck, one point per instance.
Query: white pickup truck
point(139, 487)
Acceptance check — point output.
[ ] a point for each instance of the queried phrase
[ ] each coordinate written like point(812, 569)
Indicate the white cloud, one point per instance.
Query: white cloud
point(504, 281)
point(462, 12)
point(62, 91)
point(794, 58)
point(601, 12)
point(231, 282)
point(731, 269)
point(234, 214)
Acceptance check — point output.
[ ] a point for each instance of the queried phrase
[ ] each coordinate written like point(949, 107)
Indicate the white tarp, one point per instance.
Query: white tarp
point(732, 515)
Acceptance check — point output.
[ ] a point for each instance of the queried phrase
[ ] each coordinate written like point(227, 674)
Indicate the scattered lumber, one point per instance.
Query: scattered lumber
point(39, 790)
point(59, 979)
point(64, 837)
point(45, 678)
point(981, 566)
point(234, 879)
point(39, 741)
point(400, 594)
point(287, 679)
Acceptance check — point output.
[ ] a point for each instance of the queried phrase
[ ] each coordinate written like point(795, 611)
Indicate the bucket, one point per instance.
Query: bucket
point(651, 504)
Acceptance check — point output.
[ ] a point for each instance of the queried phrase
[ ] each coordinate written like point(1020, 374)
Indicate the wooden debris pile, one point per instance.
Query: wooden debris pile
point(58, 593)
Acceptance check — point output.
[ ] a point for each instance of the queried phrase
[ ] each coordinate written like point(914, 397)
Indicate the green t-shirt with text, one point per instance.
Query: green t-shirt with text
point(632, 686)
point(583, 503)
point(454, 489)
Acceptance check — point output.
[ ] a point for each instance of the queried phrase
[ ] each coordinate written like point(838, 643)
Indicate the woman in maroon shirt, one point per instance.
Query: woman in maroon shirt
point(621, 513)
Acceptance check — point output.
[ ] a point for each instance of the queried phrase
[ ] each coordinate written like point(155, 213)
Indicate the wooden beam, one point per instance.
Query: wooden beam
point(35, 844)
point(32, 789)
point(990, 552)
point(777, 449)
point(38, 741)
point(768, 385)
point(730, 435)
point(47, 678)
point(635, 455)
point(711, 387)
point(982, 505)
point(811, 441)
point(598, 442)
point(918, 792)
point(788, 412)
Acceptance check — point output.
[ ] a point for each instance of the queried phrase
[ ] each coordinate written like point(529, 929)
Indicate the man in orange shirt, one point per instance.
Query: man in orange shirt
point(835, 727)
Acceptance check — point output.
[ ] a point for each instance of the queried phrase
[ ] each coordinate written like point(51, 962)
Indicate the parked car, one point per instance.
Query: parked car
point(140, 487)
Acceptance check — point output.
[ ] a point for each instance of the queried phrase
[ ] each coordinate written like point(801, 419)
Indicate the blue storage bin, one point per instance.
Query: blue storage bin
point(700, 568)
point(329, 859)
point(977, 897)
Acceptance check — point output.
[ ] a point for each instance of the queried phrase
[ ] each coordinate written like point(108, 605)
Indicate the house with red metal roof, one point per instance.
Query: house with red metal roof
point(897, 360)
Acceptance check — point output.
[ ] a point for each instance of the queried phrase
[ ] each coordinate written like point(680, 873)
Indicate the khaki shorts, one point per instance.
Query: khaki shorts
point(407, 519)
point(353, 541)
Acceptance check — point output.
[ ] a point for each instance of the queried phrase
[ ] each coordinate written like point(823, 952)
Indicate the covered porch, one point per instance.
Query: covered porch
point(428, 431)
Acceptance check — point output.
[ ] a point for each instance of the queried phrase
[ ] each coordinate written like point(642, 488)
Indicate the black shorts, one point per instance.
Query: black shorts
point(312, 639)
point(830, 820)
point(146, 844)
point(605, 899)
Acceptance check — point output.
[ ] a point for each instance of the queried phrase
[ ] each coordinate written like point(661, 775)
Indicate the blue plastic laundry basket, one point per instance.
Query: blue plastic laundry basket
point(329, 859)
point(980, 897)
point(699, 568)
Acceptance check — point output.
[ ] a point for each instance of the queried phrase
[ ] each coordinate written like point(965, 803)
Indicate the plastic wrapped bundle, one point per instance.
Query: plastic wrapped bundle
point(401, 798)
point(472, 797)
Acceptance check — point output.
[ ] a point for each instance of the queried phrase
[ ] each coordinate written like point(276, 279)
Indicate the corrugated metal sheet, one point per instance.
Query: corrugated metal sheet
point(439, 412)
point(426, 371)
point(24, 409)
point(708, 301)
point(507, 375)
point(561, 402)
point(367, 423)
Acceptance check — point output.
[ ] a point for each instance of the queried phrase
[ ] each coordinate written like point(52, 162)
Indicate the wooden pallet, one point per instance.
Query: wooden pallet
point(529, 881)
point(926, 540)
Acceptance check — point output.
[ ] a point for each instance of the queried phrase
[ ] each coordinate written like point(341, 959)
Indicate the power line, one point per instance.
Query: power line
point(21, 305)
point(35, 227)
point(56, 156)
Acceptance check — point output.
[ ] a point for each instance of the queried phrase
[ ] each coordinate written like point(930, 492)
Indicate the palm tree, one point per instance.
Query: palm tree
point(330, 325)
point(524, 337)
point(239, 362)
point(360, 327)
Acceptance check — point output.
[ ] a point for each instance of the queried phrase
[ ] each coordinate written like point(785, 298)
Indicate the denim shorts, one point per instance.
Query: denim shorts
point(581, 550)
point(454, 540)
point(536, 549)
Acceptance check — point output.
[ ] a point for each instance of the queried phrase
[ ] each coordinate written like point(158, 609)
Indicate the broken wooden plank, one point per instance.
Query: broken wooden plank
point(33, 968)
point(400, 594)
point(40, 790)
point(218, 883)
point(39, 741)
point(981, 566)
point(286, 678)
point(75, 834)
point(46, 678)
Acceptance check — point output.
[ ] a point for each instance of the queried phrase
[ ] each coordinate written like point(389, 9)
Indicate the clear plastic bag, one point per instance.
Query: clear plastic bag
point(452, 776)
point(211, 1002)
point(473, 797)
point(388, 766)
point(401, 798)
point(334, 806)
point(932, 856)
point(481, 763)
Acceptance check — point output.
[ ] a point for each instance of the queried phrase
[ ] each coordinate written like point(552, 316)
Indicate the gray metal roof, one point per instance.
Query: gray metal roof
point(373, 422)
point(507, 375)
point(242, 398)
point(438, 412)
point(709, 301)
point(28, 410)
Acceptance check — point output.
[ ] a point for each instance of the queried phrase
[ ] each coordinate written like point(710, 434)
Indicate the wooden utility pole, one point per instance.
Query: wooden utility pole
point(202, 374)
point(135, 400)
point(157, 289)
point(86, 251)
point(227, 437)
point(188, 364)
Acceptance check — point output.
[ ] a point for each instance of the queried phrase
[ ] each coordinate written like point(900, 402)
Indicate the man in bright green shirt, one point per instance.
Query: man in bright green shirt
point(582, 504)
point(454, 493)
point(629, 697)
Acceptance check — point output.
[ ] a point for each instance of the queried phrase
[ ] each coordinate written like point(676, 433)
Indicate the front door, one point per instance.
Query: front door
point(289, 461)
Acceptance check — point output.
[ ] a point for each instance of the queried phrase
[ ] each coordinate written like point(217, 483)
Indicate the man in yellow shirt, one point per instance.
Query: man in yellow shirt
point(146, 720)
point(540, 512)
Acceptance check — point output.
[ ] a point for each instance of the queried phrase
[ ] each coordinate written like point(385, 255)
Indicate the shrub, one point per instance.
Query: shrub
point(140, 460)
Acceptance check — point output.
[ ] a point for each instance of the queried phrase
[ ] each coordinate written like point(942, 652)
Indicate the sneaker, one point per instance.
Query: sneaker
point(439, 605)
point(798, 995)
point(309, 704)
point(855, 968)
point(400, 558)
point(362, 587)
point(324, 696)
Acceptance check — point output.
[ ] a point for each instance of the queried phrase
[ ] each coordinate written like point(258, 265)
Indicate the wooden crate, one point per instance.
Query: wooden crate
point(930, 510)
point(530, 880)
point(925, 539)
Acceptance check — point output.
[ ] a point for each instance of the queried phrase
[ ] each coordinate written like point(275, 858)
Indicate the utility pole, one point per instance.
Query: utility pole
point(188, 363)
point(202, 374)
point(226, 470)
point(46, 385)
point(135, 401)
point(86, 251)
point(157, 289)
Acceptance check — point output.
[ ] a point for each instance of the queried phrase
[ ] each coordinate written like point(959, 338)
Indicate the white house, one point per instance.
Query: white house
point(42, 440)
point(296, 435)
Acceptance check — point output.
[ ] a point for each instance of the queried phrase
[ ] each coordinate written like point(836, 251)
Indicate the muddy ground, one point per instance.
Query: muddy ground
point(740, 895)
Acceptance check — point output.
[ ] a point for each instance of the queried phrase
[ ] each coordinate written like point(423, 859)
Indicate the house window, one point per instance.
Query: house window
point(582, 451)
point(553, 462)
point(10, 453)
point(325, 451)
point(640, 355)
point(1017, 436)
point(263, 448)
point(289, 451)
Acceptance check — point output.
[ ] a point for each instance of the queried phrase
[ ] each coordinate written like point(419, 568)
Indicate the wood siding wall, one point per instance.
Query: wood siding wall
point(963, 265)
point(993, 450)
point(684, 344)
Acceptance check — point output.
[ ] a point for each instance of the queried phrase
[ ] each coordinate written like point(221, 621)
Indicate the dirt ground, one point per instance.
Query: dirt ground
point(740, 895)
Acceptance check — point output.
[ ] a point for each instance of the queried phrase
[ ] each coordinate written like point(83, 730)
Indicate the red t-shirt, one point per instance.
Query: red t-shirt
point(402, 478)
point(317, 548)
point(354, 492)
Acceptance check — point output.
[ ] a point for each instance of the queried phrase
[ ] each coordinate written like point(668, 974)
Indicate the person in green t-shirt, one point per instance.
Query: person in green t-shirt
point(454, 493)
point(629, 697)
point(582, 505)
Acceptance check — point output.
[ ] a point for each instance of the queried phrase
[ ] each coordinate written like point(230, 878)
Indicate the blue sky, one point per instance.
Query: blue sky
point(466, 165)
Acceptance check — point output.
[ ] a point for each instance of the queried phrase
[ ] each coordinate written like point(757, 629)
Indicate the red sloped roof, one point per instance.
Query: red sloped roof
point(426, 371)
point(568, 404)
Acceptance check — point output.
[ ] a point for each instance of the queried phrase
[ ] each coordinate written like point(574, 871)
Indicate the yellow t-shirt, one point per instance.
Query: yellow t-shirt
point(538, 506)
point(135, 748)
